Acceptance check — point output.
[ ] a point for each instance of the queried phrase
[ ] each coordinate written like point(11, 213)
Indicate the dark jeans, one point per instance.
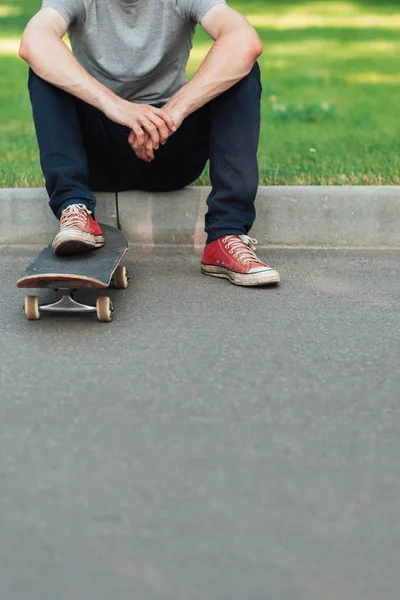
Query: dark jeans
point(82, 150)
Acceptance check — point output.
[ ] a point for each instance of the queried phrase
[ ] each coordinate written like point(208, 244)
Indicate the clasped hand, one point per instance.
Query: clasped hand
point(150, 127)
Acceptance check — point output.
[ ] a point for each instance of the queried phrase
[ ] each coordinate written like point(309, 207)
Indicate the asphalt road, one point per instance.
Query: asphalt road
point(212, 443)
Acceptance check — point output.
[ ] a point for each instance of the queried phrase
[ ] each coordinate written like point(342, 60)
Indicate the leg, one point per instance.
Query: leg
point(74, 146)
point(235, 129)
point(234, 136)
point(81, 150)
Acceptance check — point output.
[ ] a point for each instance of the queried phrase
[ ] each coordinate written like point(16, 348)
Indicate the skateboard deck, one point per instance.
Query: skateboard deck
point(98, 268)
point(89, 269)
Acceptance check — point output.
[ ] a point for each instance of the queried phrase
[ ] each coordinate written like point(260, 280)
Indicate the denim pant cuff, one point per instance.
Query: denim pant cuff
point(215, 235)
point(70, 201)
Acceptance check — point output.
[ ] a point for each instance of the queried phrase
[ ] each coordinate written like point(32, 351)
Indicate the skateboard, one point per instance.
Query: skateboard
point(97, 269)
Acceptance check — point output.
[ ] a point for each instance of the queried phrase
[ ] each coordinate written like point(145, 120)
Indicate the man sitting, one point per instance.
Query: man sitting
point(118, 113)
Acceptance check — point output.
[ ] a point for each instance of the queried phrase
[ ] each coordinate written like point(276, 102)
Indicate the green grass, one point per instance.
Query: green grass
point(330, 87)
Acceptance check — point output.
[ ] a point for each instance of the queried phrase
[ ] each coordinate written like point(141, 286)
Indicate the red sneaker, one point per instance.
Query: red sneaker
point(233, 257)
point(78, 231)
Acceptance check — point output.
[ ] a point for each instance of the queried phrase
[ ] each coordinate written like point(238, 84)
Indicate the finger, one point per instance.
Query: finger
point(143, 153)
point(165, 117)
point(134, 146)
point(149, 150)
point(140, 151)
point(132, 140)
point(151, 130)
point(143, 156)
point(139, 134)
point(163, 130)
point(135, 143)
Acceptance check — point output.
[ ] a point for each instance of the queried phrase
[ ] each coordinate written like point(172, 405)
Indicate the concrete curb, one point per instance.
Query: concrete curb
point(26, 218)
point(357, 217)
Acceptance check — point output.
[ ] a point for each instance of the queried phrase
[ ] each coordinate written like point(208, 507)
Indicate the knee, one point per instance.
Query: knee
point(251, 84)
point(34, 80)
point(254, 77)
point(255, 71)
point(31, 76)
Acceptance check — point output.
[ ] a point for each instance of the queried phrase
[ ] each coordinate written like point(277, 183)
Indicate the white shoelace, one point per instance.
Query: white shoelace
point(74, 216)
point(243, 248)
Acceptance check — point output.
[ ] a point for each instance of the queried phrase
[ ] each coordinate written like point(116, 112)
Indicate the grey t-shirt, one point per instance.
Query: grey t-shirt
point(137, 48)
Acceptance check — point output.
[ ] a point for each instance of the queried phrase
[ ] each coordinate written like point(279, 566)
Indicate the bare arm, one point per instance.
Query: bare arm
point(43, 49)
point(232, 56)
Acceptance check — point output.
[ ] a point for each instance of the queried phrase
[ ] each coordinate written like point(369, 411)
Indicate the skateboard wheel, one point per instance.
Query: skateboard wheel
point(120, 279)
point(31, 308)
point(104, 309)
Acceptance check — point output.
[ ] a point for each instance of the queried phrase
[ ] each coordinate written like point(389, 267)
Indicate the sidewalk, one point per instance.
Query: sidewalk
point(213, 442)
point(341, 217)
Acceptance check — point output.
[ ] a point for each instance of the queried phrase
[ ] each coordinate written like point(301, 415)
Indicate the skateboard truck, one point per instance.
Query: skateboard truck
point(67, 303)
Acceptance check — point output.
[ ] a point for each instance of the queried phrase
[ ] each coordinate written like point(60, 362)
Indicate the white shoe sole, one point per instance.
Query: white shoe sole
point(269, 277)
point(74, 242)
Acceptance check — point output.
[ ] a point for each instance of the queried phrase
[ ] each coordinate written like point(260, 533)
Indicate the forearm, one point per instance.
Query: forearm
point(52, 60)
point(230, 59)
